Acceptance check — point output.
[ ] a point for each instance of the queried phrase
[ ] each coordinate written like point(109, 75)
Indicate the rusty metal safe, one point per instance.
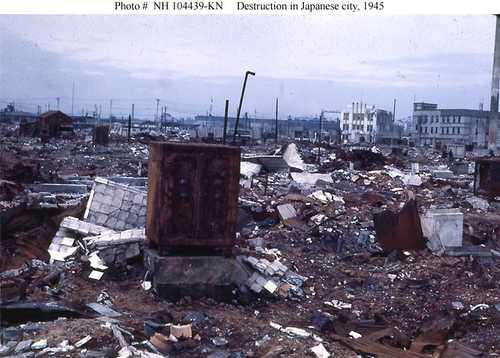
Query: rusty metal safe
point(192, 197)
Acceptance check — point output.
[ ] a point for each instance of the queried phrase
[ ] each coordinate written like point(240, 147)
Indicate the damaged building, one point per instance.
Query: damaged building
point(437, 127)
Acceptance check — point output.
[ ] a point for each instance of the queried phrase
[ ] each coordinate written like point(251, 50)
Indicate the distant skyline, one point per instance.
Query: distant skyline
point(310, 63)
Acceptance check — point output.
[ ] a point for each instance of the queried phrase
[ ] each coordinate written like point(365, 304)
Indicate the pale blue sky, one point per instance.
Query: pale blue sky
point(311, 63)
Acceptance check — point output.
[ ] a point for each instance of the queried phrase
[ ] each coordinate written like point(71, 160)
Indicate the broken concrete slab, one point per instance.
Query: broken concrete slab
point(311, 178)
point(286, 212)
point(124, 237)
point(442, 174)
point(60, 252)
point(443, 228)
point(82, 227)
point(292, 158)
point(103, 310)
point(471, 251)
point(130, 181)
point(249, 169)
point(116, 206)
point(326, 197)
point(478, 203)
point(58, 188)
point(412, 180)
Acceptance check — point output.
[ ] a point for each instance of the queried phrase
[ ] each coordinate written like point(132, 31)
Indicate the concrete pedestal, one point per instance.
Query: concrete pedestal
point(174, 277)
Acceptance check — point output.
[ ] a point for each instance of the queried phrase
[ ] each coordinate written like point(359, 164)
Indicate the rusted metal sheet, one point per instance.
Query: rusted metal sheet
point(399, 230)
point(371, 345)
point(100, 135)
point(192, 196)
point(487, 176)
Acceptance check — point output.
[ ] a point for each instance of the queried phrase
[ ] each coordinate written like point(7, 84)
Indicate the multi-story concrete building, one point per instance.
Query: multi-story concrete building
point(361, 123)
point(443, 127)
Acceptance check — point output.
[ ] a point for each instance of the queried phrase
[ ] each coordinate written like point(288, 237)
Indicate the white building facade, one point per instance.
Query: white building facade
point(361, 123)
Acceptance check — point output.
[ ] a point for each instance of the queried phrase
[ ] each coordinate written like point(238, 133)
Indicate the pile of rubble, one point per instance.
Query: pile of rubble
point(359, 252)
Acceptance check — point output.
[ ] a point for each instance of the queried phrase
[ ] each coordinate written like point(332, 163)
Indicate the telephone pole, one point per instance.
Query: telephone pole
point(394, 111)
point(225, 122)
point(276, 130)
point(157, 105)
point(130, 123)
point(73, 98)
point(319, 136)
point(58, 99)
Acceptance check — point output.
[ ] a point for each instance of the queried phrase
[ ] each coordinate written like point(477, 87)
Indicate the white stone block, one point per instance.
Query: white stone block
point(443, 228)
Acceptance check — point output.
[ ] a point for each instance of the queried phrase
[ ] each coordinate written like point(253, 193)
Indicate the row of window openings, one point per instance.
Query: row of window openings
point(359, 120)
point(369, 127)
point(435, 119)
point(454, 130)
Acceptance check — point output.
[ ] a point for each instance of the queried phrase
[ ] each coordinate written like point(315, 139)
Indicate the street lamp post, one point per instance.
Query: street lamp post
point(241, 102)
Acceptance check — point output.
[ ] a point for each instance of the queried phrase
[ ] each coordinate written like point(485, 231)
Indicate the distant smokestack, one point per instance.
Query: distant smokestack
point(480, 106)
point(493, 118)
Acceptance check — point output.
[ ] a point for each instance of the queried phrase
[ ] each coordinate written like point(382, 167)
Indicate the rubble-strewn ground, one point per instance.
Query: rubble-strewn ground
point(331, 241)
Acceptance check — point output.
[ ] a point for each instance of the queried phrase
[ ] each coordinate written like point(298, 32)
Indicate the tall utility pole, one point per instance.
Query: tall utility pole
point(73, 98)
point(241, 102)
point(157, 105)
point(58, 99)
point(319, 136)
point(276, 129)
point(110, 109)
point(225, 122)
point(394, 111)
point(130, 123)
point(393, 116)
point(492, 137)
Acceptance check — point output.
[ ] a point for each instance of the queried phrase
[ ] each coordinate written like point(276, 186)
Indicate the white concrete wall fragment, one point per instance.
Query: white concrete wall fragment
point(443, 228)
point(124, 237)
point(286, 212)
point(310, 178)
point(116, 206)
point(249, 169)
point(292, 157)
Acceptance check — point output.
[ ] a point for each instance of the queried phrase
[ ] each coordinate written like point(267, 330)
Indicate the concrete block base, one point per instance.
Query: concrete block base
point(174, 277)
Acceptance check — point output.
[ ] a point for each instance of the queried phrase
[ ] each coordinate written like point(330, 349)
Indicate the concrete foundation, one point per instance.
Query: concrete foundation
point(174, 277)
